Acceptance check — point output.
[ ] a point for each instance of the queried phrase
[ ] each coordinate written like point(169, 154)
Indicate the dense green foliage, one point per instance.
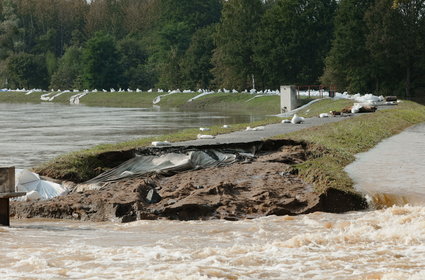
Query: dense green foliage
point(294, 38)
point(100, 68)
point(348, 64)
point(359, 46)
point(378, 47)
point(234, 39)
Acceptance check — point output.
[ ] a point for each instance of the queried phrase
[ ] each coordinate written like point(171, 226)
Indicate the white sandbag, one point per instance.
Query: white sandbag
point(32, 196)
point(27, 181)
point(156, 100)
point(203, 136)
point(258, 128)
point(204, 129)
point(296, 119)
point(160, 143)
point(226, 126)
point(356, 108)
point(324, 115)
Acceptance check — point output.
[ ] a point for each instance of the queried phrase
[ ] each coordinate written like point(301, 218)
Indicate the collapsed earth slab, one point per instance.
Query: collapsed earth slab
point(265, 183)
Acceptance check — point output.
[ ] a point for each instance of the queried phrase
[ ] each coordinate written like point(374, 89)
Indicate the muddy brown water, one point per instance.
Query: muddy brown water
point(381, 244)
point(375, 244)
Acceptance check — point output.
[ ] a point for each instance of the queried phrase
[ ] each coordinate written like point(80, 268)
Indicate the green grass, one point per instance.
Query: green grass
point(20, 97)
point(120, 99)
point(176, 100)
point(333, 146)
point(325, 106)
point(220, 102)
point(235, 102)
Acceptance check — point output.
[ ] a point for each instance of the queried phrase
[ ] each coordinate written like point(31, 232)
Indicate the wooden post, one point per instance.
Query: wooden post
point(4, 212)
point(7, 190)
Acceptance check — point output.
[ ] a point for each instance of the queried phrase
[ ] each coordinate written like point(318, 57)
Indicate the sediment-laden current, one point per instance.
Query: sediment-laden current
point(381, 244)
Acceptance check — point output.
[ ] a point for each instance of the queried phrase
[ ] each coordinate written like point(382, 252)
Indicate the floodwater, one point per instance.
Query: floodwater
point(381, 244)
point(394, 171)
point(34, 133)
point(385, 244)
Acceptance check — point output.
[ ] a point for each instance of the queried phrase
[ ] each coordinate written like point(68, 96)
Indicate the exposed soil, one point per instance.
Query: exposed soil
point(265, 185)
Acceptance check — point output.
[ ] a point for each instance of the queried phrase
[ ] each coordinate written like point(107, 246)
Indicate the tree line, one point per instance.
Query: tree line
point(356, 45)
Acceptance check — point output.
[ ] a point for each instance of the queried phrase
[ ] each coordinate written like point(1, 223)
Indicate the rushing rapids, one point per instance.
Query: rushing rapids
point(379, 244)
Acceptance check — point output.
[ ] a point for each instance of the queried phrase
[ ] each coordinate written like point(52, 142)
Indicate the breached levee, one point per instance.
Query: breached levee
point(232, 181)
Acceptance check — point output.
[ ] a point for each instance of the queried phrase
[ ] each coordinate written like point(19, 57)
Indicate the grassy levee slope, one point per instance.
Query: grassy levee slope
point(229, 102)
point(236, 102)
point(325, 106)
point(333, 146)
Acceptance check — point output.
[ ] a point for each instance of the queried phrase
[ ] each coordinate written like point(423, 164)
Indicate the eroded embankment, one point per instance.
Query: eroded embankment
point(266, 184)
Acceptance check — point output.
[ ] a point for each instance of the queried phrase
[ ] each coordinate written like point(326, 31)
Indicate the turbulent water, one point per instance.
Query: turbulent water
point(34, 133)
point(376, 244)
point(381, 244)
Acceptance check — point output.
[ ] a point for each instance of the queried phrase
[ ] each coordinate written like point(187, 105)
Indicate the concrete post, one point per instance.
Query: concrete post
point(288, 98)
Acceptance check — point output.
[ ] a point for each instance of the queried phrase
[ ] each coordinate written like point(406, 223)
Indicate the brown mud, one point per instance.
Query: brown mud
point(264, 185)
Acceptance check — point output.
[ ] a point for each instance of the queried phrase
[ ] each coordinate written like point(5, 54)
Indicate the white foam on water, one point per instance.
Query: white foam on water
point(379, 244)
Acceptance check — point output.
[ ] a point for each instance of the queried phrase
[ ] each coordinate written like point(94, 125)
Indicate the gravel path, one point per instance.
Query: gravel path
point(269, 131)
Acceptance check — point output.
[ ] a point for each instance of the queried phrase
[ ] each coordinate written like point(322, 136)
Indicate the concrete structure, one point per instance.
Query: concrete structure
point(288, 98)
point(7, 190)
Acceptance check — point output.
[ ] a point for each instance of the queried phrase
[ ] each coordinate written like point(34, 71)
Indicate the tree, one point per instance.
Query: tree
point(197, 64)
point(349, 64)
point(133, 59)
point(106, 16)
point(397, 44)
point(234, 40)
point(68, 69)
point(195, 13)
point(10, 31)
point(178, 22)
point(293, 41)
point(140, 15)
point(10, 39)
point(100, 67)
point(27, 70)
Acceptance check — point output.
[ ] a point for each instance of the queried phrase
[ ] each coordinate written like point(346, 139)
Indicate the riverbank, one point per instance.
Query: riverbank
point(304, 176)
point(258, 103)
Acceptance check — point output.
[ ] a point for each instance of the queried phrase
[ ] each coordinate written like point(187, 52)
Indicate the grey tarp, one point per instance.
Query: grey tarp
point(140, 165)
